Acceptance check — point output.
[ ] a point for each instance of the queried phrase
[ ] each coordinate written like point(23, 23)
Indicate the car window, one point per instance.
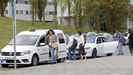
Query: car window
point(42, 39)
point(61, 38)
point(108, 37)
point(105, 39)
point(25, 40)
point(99, 40)
point(90, 39)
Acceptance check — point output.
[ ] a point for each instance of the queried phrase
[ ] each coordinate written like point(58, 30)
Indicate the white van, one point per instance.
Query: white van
point(31, 48)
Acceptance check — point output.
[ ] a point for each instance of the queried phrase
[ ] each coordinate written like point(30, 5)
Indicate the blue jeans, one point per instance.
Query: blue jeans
point(53, 61)
point(73, 52)
point(120, 51)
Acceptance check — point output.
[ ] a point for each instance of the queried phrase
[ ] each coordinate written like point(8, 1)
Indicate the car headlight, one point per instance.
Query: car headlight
point(25, 52)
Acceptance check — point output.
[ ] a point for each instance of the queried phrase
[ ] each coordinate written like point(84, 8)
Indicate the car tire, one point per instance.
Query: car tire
point(94, 53)
point(35, 60)
point(109, 54)
point(5, 65)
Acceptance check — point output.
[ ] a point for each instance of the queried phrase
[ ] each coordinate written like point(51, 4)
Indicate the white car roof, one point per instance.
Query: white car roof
point(38, 32)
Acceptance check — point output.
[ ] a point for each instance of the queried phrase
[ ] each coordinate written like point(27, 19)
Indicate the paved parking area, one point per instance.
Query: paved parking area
point(113, 65)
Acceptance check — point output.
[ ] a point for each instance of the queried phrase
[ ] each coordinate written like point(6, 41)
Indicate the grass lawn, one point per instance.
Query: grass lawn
point(6, 28)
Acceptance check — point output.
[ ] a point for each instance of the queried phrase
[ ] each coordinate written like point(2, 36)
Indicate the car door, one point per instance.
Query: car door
point(43, 49)
point(109, 45)
point(61, 45)
point(99, 46)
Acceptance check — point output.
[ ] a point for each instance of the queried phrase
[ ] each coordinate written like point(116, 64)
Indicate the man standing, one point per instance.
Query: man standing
point(72, 44)
point(130, 31)
point(118, 36)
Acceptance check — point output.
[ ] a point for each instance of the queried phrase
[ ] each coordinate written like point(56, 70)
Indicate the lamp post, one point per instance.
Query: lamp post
point(13, 5)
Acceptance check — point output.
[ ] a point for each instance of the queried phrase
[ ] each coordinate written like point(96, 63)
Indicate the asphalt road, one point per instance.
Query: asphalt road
point(113, 65)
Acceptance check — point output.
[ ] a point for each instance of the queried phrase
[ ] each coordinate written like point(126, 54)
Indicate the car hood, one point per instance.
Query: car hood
point(10, 48)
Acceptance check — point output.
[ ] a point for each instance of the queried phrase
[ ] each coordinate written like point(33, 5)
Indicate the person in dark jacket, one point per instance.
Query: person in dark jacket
point(130, 43)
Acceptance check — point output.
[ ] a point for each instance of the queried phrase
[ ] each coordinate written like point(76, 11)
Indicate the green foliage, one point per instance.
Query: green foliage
point(116, 13)
point(37, 7)
point(3, 4)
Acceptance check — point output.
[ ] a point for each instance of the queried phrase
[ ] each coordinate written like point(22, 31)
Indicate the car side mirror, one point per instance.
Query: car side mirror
point(42, 44)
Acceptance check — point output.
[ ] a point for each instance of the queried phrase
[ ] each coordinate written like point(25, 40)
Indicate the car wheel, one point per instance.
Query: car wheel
point(5, 65)
point(109, 54)
point(35, 60)
point(94, 53)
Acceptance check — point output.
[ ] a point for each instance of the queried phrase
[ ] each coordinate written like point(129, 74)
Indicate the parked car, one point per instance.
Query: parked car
point(100, 45)
point(31, 48)
point(91, 34)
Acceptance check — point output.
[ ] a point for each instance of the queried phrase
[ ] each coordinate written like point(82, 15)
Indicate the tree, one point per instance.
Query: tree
point(92, 11)
point(63, 7)
point(41, 4)
point(37, 8)
point(77, 11)
point(66, 5)
point(3, 4)
point(83, 11)
point(116, 13)
point(55, 2)
point(33, 9)
point(69, 12)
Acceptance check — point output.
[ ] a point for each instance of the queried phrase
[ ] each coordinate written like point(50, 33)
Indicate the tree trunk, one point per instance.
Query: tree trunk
point(2, 13)
point(55, 13)
point(69, 13)
point(98, 24)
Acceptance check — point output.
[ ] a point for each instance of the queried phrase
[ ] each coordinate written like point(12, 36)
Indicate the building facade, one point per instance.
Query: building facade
point(130, 20)
point(23, 10)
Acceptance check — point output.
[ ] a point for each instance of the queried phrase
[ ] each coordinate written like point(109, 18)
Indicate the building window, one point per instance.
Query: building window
point(6, 12)
point(51, 13)
point(16, 11)
point(19, 12)
point(25, 2)
point(21, 1)
point(26, 12)
point(49, 3)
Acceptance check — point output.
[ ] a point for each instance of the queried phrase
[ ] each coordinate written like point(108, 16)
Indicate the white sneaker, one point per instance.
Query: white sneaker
point(68, 61)
point(130, 54)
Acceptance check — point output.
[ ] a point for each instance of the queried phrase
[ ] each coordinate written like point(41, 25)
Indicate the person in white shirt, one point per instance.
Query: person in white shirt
point(81, 38)
point(81, 46)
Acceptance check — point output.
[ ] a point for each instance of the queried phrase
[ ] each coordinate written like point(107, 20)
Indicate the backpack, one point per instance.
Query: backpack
point(75, 42)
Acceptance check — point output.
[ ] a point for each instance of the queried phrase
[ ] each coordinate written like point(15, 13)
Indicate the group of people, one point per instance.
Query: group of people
point(51, 40)
point(72, 46)
point(118, 36)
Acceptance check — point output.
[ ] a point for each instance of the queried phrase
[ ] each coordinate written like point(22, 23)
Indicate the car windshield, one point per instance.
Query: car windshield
point(25, 40)
point(90, 39)
point(109, 37)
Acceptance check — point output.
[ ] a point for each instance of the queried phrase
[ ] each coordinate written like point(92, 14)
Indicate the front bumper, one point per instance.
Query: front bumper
point(19, 59)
